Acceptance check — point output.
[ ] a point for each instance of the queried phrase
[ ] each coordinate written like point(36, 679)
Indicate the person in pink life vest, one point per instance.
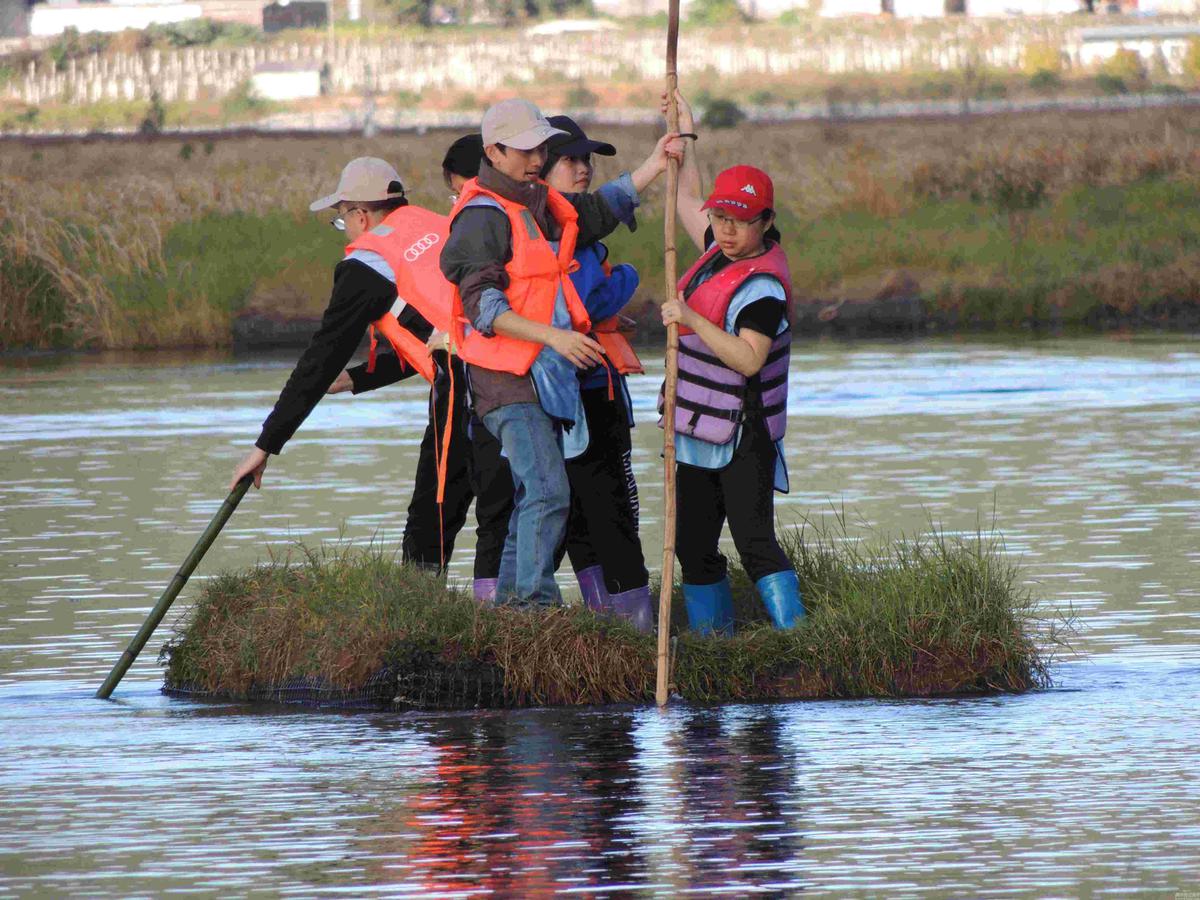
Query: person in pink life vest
point(733, 311)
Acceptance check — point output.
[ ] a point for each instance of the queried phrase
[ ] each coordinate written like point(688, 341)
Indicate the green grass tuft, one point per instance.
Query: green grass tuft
point(922, 616)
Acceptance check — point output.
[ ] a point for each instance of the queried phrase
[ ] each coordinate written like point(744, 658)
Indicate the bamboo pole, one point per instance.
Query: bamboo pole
point(173, 589)
point(672, 367)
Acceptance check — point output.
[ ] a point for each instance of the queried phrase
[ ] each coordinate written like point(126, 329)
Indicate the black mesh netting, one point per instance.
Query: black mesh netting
point(413, 679)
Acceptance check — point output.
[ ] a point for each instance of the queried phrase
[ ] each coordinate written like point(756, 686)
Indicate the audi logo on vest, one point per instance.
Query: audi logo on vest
point(420, 246)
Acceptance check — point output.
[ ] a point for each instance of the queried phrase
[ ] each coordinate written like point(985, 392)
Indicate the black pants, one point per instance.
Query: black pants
point(743, 492)
point(603, 525)
point(429, 533)
point(492, 483)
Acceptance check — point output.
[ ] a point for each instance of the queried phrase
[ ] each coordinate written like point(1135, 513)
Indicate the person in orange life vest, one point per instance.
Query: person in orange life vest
point(731, 399)
point(364, 290)
point(602, 526)
point(523, 327)
point(475, 467)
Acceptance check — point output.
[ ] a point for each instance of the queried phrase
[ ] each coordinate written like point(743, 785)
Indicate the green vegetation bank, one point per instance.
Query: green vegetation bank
point(1032, 221)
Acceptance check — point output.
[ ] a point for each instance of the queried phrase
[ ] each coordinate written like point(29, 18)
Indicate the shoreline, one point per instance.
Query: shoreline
point(882, 319)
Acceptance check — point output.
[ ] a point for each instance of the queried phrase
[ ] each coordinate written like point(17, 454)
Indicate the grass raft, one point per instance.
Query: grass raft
point(918, 617)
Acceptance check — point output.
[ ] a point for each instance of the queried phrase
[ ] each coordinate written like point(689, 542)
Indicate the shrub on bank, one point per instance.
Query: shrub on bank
point(921, 616)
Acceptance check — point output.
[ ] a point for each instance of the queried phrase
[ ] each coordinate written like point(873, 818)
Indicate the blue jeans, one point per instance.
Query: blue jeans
point(541, 501)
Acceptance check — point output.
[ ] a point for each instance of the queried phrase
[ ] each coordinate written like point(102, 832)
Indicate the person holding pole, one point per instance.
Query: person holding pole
point(602, 528)
point(733, 310)
point(475, 468)
point(370, 203)
point(521, 326)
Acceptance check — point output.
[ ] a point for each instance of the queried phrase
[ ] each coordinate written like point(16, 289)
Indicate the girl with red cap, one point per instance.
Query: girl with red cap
point(733, 312)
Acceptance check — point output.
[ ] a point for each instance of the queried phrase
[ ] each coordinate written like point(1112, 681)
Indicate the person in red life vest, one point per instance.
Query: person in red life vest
point(430, 532)
point(602, 527)
point(733, 313)
point(368, 194)
point(522, 328)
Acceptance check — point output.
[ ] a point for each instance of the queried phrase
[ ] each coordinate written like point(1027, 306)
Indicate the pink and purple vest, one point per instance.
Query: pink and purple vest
point(711, 399)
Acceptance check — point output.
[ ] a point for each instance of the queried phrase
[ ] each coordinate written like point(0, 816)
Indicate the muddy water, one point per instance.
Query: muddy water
point(1082, 452)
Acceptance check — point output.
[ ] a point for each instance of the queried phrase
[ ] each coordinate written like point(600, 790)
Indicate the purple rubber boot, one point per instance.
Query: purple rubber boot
point(485, 590)
point(591, 586)
point(634, 606)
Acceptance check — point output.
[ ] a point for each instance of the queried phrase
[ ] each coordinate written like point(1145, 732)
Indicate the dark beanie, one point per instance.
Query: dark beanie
point(464, 156)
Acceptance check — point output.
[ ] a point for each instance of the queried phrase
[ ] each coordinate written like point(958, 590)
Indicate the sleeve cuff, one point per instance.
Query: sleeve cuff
point(492, 303)
point(622, 198)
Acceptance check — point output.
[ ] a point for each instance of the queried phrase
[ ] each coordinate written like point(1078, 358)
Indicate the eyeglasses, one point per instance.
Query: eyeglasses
point(716, 220)
point(340, 222)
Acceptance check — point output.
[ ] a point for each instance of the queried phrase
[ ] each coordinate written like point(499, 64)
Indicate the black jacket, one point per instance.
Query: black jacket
point(360, 296)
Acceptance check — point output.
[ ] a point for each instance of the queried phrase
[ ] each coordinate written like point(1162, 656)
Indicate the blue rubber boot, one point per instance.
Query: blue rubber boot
point(780, 592)
point(709, 607)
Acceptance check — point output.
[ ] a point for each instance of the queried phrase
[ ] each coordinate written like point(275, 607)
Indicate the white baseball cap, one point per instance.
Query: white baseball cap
point(518, 124)
point(364, 180)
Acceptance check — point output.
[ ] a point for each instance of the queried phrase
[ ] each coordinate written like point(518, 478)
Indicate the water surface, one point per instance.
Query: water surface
point(1082, 452)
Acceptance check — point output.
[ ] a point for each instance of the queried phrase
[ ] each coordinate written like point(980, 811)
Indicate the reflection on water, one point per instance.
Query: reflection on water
point(1083, 451)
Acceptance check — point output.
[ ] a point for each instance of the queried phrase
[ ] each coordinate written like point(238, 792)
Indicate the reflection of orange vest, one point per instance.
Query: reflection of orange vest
point(410, 240)
point(535, 275)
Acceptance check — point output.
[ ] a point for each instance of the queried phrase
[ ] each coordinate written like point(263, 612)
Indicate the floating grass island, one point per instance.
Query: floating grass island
point(915, 617)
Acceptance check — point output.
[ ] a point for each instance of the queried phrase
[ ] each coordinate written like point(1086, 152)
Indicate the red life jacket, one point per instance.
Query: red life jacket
point(536, 274)
point(410, 240)
point(712, 298)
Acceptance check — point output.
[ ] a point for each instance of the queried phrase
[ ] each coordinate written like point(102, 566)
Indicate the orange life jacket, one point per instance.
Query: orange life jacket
point(410, 240)
point(535, 274)
point(616, 346)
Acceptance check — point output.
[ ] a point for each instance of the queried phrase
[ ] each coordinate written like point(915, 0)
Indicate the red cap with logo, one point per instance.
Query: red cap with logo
point(743, 192)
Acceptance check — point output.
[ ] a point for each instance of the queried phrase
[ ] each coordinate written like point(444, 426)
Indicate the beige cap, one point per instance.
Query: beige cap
point(364, 180)
point(518, 124)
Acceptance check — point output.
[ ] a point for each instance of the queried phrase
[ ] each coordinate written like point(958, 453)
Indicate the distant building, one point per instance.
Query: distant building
point(570, 26)
point(243, 12)
point(49, 19)
point(1167, 44)
point(295, 14)
point(832, 9)
point(284, 81)
point(14, 18)
point(1001, 8)
point(919, 9)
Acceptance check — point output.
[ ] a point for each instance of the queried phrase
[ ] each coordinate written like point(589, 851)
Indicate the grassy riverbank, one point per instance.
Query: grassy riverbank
point(930, 615)
point(1038, 220)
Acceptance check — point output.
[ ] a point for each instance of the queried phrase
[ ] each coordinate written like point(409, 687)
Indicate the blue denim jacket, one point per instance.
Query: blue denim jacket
point(603, 295)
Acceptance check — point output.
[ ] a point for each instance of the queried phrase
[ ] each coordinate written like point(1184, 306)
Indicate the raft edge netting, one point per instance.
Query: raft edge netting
point(389, 688)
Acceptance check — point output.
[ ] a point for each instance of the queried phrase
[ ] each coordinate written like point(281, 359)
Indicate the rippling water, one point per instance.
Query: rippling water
point(1083, 452)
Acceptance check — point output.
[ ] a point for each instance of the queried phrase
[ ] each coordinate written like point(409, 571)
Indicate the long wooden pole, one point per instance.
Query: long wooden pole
point(173, 589)
point(672, 367)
